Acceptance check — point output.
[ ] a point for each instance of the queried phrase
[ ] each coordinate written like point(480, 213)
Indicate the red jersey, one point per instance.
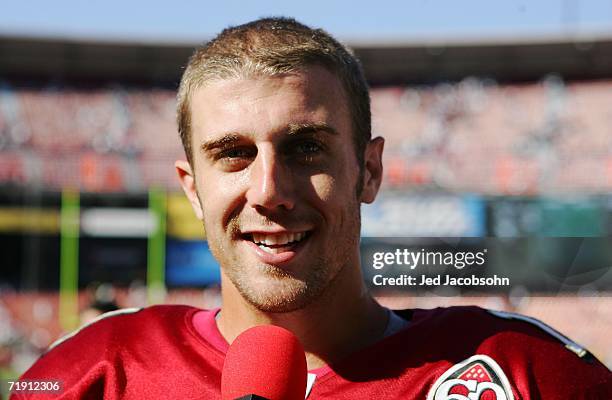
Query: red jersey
point(458, 353)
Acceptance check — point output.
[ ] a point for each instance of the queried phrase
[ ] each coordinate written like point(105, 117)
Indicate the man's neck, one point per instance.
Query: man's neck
point(343, 320)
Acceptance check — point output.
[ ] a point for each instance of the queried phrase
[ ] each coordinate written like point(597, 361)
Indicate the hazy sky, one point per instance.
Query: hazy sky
point(374, 20)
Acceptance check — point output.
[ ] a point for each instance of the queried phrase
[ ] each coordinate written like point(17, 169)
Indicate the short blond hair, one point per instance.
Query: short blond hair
point(273, 46)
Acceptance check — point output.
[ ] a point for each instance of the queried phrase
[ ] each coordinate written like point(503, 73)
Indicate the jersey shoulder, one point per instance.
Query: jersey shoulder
point(121, 331)
point(539, 326)
point(119, 352)
point(97, 323)
point(125, 324)
point(483, 324)
point(535, 359)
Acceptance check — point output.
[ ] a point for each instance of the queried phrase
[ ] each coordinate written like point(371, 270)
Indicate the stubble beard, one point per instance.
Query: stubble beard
point(280, 292)
point(272, 289)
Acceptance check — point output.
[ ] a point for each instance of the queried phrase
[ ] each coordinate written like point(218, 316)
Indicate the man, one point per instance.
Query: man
point(275, 121)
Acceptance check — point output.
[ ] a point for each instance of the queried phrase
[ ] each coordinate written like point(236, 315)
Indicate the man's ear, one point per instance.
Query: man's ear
point(373, 169)
point(188, 183)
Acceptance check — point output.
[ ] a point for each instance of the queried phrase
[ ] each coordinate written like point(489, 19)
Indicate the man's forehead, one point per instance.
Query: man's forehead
point(314, 95)
point(312, 80)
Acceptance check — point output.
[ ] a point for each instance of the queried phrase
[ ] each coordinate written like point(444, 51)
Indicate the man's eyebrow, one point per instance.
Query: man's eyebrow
point(301, 129)
point(225, 141)
point(230, 139)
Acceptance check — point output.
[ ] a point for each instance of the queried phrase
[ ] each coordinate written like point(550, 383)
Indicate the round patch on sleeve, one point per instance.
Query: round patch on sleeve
point(477, 378)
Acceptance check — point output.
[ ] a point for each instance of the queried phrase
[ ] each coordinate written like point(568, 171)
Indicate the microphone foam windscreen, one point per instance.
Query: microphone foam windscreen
point(265, 360)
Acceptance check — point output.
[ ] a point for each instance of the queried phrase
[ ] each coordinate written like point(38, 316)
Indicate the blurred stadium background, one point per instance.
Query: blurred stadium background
point(484, 139)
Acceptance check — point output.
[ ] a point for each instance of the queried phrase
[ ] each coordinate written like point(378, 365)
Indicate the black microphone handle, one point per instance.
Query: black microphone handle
point(252, 397)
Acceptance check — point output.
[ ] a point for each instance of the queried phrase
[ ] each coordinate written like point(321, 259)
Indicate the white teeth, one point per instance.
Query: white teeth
point(264, 240)
point(277, 239)
point(269, 249)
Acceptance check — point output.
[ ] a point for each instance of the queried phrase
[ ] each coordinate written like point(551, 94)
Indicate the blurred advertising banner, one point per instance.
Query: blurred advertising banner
point(410, 215)
point(570, 216)
point(182, 222)
point(190, 263)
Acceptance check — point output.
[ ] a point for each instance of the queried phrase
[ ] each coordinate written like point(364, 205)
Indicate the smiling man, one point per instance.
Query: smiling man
point(276, 179)
point(275, 120)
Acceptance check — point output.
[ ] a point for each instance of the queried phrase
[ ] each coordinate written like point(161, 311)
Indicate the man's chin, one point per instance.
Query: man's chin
point(276, 307)
point(276, 289)
point(280, 295)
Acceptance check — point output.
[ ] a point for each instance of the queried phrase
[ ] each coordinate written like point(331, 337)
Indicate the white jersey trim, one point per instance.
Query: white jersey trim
point(574, 347)
point(310, 379)
point(98, 318)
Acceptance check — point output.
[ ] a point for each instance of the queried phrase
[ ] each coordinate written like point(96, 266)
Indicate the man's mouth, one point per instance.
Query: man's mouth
point(276, 243)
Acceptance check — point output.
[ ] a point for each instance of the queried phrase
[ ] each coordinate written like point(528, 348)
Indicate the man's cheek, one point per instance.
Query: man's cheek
point(323, 186)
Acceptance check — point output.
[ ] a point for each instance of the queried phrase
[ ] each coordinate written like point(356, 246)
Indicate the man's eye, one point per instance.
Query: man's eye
point(235, 159)
point(308, 148)
point(235, 153)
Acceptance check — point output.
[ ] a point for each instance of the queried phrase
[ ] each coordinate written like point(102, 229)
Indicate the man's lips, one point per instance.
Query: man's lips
point(276, 247)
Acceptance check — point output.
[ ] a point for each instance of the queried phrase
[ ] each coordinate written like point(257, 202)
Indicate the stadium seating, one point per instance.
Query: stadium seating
point(472, 136)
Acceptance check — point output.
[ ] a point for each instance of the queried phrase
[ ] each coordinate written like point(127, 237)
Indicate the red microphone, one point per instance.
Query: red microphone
point(264, 362)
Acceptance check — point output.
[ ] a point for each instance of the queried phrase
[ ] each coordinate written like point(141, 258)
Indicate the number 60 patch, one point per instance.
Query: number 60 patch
point(477, 378)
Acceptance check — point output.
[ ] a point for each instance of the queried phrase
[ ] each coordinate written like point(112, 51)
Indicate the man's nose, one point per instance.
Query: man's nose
point(271, 182)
